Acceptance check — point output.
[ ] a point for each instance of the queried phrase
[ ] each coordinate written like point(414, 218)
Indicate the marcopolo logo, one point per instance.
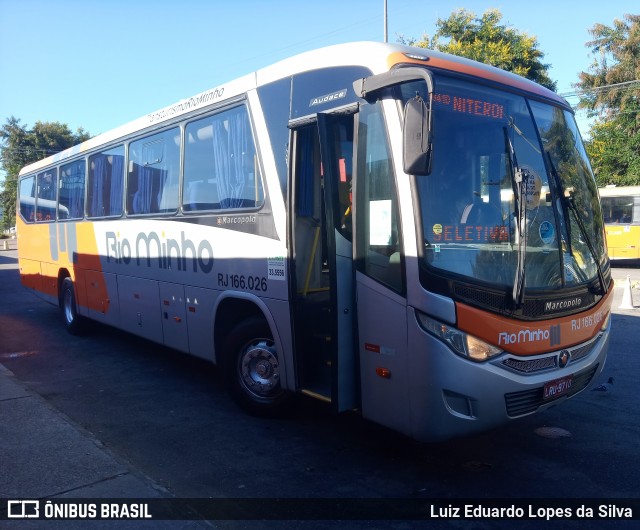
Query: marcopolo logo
point(562, 305)
point(152, 250)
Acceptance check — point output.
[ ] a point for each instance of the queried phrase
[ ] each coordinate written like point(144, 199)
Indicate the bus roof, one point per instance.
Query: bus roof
point(619, 191)
point(378, 57)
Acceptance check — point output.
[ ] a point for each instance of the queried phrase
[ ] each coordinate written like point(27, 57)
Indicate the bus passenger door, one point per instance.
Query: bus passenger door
point(382, 312)
point(336, 149)
point(323, 312)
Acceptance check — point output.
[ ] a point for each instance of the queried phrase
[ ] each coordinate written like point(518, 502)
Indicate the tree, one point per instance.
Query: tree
point(610, 92)
point(614, 150)
point(613, 79)
point(20, 146)
point(486, 40)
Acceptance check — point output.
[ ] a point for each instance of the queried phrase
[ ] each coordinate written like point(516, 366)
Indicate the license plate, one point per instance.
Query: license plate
point(557, 387)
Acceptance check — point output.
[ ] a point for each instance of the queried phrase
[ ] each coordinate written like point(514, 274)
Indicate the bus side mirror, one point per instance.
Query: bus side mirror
point(417, 137)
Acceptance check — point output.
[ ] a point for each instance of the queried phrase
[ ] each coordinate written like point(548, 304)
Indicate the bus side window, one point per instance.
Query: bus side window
point(152, 179)
point(621, 209)
point(47, 184)
point(221, 170)
point(71, 197)
point(105, 186)
point(201, 195)
point(28, 199)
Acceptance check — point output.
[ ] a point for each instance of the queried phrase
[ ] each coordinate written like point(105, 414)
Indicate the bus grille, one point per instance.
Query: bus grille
point(582, 351)
point(530, 366)
point(528, 401)
point(540, 364)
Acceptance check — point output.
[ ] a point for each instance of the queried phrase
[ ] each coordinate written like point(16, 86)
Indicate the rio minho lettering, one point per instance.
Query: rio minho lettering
point(164, 253)
point(531, 335)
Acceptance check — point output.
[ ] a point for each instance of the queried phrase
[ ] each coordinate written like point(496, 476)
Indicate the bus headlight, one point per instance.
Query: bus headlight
point(460, 342)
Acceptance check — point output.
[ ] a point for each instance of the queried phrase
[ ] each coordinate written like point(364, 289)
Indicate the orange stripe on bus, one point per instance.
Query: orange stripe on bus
point(88, 264)
point(531, 338)
point(478, 70)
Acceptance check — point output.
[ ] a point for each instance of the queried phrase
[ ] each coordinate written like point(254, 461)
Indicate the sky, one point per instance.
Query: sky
point(101, 63)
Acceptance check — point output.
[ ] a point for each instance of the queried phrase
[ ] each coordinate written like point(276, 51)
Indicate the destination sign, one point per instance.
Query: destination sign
point(473, 106)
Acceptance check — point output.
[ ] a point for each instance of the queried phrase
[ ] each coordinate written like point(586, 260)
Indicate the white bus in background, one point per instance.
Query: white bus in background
point(389, 229)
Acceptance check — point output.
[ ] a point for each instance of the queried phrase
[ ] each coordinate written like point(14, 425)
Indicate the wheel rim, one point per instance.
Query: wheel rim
point(259, 369)
point(68, 306)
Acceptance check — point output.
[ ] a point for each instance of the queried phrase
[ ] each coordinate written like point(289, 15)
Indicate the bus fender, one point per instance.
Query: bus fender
point(260, 309)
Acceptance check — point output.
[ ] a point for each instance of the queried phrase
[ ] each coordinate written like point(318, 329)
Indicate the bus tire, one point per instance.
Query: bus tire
point(251, 369)
point(73, 322)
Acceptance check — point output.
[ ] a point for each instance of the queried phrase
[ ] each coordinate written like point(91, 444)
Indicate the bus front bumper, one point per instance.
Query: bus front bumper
point(463, 396)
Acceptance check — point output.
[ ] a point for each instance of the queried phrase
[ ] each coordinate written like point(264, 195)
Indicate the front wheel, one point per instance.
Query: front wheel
point(252, 369)
point(72, 321)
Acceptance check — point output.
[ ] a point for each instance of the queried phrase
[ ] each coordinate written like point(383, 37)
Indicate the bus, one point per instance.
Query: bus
point(409, 235)
point(621, 210)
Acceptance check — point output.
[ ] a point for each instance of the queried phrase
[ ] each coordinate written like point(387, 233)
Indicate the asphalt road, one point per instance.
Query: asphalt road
point(167, 416)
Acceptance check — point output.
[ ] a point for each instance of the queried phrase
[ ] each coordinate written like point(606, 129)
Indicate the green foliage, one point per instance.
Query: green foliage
point(614, 150)
point(610, 91)
point(20, 146)
point(608, 87)
point(488, 41)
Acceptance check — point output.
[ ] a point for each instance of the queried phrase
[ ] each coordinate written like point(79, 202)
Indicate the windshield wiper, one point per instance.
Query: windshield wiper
point(519, 183)
point(566, 196)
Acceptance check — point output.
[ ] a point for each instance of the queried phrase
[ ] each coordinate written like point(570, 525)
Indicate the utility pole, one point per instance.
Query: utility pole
point(385, 21)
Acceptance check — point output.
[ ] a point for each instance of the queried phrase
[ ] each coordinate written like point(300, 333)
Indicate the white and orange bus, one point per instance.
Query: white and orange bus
point(408, 234)
point(621, 210)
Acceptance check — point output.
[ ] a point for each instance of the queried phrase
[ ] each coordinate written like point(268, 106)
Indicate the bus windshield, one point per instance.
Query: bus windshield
point(511, 200)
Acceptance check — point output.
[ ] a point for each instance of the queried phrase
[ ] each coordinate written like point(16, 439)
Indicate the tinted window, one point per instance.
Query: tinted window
point(221, 169)
point(319, 90)
point(275, 102)
point(154, 171)
point(28, 199)
point(617, 209)
point(47, 195)
point(71, 198)
point(105, 185)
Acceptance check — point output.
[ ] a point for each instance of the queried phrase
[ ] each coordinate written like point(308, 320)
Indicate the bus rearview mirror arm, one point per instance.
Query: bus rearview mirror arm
point(417, 114)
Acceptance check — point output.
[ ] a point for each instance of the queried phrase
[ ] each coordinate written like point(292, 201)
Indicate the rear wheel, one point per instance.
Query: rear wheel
point(252, 369)
point(73, 322)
